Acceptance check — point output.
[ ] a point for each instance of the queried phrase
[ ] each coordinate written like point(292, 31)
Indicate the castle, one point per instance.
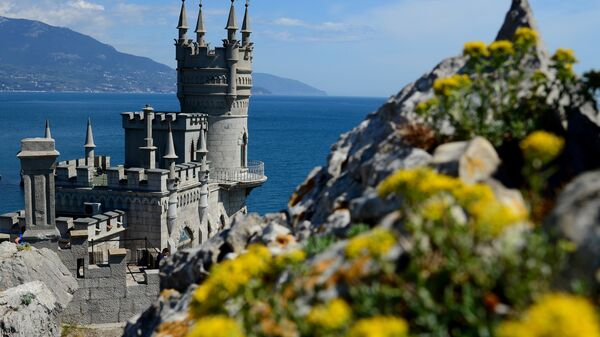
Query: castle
point(185, 175)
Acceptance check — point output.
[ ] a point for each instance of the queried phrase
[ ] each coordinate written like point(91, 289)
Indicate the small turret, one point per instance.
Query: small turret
point(149, 150)
point(47, 133)
point(89, 144)
point(170, 155)
point(246, 30)
point(183, 24)
point(200, 30)
point(231, 23)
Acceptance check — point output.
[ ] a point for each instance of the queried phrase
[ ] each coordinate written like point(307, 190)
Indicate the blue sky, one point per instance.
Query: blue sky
point(346, 47)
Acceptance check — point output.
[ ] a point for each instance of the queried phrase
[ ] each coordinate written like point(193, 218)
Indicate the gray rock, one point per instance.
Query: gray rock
point(576, 218)
point(29, 310)
point(473, 161)
point(19, 267)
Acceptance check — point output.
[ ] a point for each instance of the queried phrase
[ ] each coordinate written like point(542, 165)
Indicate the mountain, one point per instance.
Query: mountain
point(280, 86)
point(35, 56)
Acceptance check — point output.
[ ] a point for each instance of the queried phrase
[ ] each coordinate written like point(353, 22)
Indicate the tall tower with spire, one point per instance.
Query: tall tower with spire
point(218, 83)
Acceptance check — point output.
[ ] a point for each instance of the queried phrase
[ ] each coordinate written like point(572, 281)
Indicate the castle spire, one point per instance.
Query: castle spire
point(170, 155)
point(200, 30)
point(89, 144)
point(246, 30)
point(231, 23)
point(89, 136)
point(183, 23)
point(47, 133)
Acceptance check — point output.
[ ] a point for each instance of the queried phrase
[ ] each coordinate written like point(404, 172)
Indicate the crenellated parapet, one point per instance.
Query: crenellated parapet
point(79, 172)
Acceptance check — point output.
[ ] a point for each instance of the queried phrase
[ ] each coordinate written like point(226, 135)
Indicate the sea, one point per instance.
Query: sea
point(291, 135)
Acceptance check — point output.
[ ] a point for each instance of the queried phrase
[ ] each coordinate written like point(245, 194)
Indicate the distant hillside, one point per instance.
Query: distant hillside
point(280, 86)
point(35, 56)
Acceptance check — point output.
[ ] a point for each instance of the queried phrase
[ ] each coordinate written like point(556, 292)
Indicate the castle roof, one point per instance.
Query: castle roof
point(171, 154)
point(89, 136)
point(231, 22)
point(200, 24)
point(183, 23)
point(246, 24)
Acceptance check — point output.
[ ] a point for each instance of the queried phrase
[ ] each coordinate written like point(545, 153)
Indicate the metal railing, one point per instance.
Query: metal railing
point(254, 172)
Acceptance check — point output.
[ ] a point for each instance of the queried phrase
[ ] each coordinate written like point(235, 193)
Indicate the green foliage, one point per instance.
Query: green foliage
point(358, 229)
point(25, 247)
point(319, 243)
point(27, 298)
point(501, 96)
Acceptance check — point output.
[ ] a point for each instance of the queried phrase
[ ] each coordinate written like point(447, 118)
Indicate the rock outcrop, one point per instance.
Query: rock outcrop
point(344, 190)
point(35, 287)
point(27, 265)
point(27, 310)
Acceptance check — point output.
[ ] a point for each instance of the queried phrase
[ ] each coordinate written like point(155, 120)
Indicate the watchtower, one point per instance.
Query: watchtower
point(217, 83)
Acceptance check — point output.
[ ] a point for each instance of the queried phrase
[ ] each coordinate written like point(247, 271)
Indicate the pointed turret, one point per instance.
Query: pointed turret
point(246, 30)
point(170, 154)
point(200, 30)
point(89, 136)
point(89, 144)
point(231, 23)
point(183, 24)
point(47, 133)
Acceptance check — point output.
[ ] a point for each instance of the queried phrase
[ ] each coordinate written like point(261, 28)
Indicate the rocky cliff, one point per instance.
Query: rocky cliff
point(344, 192)
point(35, 287)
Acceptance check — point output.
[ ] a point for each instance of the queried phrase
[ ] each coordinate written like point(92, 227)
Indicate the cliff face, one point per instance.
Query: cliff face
point(35, 287)
point(344, 190)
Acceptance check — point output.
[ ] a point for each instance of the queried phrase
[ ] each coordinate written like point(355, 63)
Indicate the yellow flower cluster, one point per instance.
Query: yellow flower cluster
point(541, 147)
point(526, 36)
point(380, 326)
point(375, 243)
point(447, 86)
point(476, 49)
point(423, 187)
point(555, 315)
point(502, 48)
point(331, 316)
point(289, 258)
point(216, 326)
point(564, 56)
point(425, 106)
point(228, 278)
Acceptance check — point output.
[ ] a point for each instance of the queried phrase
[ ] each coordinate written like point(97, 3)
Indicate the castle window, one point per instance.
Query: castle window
point(80, 268)
point(244, 151)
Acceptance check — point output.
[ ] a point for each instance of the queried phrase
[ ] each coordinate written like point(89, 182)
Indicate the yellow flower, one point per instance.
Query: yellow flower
point(564, 56)
point(331, 316)
point(292, 257)
point(447, 86)
point(526, 36)
point(541, 147)
point(216, 326)
point(228, 278)
point(425, 106)
point(555, 315)
point(476, 49)
point(375, 243)
point(502, 48)
point(427, 193)
point(379, 327)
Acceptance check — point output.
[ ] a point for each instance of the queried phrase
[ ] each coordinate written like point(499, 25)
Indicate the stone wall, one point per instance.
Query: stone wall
point(106, 294)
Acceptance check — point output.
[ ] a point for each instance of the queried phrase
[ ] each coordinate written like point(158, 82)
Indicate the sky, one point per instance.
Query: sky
point(345, 47)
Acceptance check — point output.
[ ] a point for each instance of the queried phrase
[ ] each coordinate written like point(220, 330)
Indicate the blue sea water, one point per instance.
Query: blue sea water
point(290, 134)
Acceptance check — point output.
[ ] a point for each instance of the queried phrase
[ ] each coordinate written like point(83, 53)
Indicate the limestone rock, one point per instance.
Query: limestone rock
point(472, 161)
point(29, 310)
point(576, 218)
point(19, 267)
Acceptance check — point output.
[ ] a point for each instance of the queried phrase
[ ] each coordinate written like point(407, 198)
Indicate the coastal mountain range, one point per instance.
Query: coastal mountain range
point(38, 57)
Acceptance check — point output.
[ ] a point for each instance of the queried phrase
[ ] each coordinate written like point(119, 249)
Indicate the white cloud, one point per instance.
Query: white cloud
point(82, 4)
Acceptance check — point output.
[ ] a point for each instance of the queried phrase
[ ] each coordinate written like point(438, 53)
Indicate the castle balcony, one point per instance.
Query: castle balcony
point(251, 175)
